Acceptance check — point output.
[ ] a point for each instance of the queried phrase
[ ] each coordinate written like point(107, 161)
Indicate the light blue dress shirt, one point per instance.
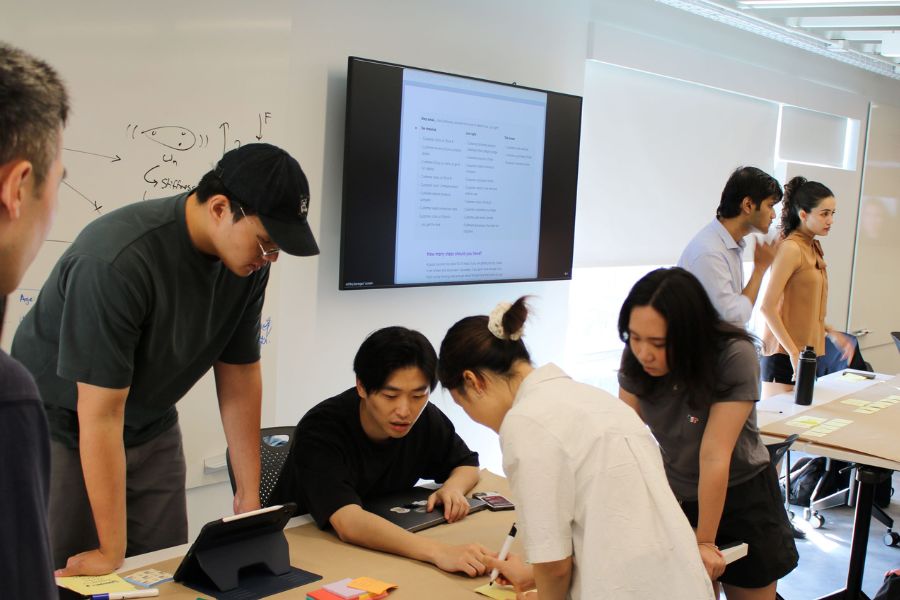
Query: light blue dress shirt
point(716, 260)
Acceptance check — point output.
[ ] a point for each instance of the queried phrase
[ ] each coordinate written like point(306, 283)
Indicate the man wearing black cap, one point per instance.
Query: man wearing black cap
point(143, 303)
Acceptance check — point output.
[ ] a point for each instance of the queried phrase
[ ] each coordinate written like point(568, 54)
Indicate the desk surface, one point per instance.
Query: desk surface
point(778, 404)
point(322, 552)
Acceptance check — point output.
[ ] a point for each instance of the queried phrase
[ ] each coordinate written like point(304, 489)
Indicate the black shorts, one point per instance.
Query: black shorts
point(754, 514)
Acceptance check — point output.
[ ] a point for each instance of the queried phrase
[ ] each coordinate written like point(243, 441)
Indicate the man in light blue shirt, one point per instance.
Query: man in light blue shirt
point(715, 254)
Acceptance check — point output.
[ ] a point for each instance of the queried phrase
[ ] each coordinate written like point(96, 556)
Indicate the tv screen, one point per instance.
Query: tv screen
point(451, 179)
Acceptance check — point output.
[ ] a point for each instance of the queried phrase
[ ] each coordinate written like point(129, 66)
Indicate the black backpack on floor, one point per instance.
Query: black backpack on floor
point(807, 473)
point(805, 476)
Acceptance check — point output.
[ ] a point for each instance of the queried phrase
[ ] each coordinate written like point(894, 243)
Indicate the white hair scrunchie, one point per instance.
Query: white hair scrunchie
point(495, 323)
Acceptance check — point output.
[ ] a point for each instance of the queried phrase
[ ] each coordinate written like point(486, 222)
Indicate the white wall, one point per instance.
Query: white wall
point(534, 43)
point(651, 37)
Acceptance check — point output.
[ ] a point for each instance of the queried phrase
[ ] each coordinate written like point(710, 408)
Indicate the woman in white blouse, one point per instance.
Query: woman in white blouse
point(596, 516)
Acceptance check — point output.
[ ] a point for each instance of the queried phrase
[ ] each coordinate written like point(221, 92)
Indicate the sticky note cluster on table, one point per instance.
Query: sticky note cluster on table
point(360, 588)
point(818, 426)
point(866, 407)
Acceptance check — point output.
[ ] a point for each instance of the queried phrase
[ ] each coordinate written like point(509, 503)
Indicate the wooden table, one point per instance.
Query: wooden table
point(323, 553)
point(778, 404)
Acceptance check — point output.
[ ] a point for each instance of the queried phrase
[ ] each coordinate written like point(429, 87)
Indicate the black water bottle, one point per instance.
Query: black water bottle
point(806, 377)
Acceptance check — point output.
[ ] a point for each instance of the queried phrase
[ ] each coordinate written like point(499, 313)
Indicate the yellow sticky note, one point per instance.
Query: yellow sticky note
point(894, 397)
point(813, 434)
point(881, 404)
point(821, 429)
point(87, 585)
point(841, 422)
point(854, 402)
point(368, 584)
point(806, 422)
point(866, 410)
point(498, 592)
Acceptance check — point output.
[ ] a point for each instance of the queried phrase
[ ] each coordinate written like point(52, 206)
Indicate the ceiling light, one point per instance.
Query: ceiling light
point(740, 19)
point(854, 22)
point(816, 3)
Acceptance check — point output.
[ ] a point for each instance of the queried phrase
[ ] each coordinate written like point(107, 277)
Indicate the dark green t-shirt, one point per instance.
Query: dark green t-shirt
point(132, 303)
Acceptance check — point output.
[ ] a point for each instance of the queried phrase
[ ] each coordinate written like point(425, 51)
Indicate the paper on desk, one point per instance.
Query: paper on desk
point(854, 376)
point(369, 584)
point(498, 592)
point(873, 431)
point(87, 585)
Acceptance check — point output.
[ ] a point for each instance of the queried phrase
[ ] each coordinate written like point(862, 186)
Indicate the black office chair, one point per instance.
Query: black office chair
point(274, 445)
point(896, 336)
point(777, 452)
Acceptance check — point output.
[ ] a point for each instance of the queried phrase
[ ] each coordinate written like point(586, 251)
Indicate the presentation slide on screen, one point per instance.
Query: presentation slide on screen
point(469, 189)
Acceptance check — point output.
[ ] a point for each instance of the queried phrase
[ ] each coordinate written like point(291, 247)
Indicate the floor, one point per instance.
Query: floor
point(825, 552)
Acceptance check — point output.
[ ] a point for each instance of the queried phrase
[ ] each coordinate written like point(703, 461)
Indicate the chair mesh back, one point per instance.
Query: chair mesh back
point(777, 451)
point(274, 445)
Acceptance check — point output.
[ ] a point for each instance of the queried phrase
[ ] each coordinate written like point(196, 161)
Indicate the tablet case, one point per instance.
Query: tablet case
point(252, 541)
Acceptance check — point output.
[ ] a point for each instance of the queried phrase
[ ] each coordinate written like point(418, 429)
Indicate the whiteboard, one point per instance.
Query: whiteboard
point(159, 91)
point(876, 277)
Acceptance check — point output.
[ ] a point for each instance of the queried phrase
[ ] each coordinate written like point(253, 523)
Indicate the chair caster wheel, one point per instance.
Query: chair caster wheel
point(891, 538)
point(814, 518)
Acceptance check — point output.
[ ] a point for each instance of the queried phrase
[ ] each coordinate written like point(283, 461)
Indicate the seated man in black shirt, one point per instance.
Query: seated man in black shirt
point(378, 437)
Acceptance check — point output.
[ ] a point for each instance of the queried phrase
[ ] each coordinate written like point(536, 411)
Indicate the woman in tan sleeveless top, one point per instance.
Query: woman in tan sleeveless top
point(795, 302)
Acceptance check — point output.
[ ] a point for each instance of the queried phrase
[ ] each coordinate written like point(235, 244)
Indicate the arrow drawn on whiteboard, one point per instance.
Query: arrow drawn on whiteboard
point(261, 121)
point(115, 158)
point(155, 182)
point(96, 206)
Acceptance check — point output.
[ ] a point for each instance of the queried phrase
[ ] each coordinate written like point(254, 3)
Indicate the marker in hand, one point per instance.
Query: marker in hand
point(504, 551)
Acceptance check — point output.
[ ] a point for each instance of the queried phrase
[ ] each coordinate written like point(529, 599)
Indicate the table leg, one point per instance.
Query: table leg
point(868, 477)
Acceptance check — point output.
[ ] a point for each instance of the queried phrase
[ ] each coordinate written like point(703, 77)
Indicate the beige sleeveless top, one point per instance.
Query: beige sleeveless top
point(804, 302)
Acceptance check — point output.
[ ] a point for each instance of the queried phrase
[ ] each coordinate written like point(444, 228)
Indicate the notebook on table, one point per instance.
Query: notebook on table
point(407, 508)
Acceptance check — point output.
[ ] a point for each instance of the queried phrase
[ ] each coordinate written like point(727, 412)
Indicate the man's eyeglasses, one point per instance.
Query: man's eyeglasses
point(265, 253)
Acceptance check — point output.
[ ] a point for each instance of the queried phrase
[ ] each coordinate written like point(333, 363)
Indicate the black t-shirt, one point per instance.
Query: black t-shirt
point(26, 567)
point(332, 463)
point(132, 303)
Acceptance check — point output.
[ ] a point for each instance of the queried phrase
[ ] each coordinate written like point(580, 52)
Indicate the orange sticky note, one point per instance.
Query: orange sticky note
point(369, 584)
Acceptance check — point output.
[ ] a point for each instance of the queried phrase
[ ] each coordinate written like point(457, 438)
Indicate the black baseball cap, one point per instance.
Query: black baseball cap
point(269, 181)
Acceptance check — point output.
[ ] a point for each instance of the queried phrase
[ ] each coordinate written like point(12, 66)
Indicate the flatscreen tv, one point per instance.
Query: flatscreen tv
point(453, 180)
